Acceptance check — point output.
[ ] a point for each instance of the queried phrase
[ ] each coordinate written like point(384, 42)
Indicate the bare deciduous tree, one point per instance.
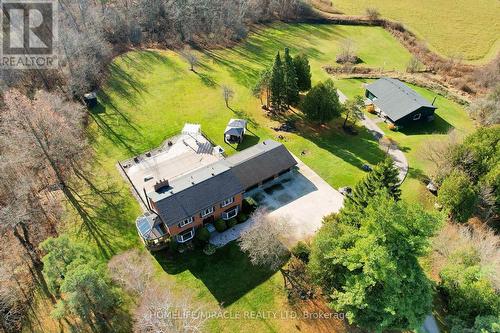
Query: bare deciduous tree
point(228, 94)
point(263, 241)
point(132, 270)
point(162, 311)
point(190, 57)
point(413, 65)
point(454, 238)
point(387, 143)
point(486, 110)
point(50, 141)
point(372, 13)
point(437, 153)
point(347, 53)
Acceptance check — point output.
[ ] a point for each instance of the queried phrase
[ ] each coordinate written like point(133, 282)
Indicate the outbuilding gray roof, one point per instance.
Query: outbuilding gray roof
point(260, 162)
point(396, 99)
point(236, 127)
point(187, 195)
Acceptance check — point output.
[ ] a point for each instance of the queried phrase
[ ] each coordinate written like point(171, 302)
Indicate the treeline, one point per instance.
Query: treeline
point(90, 33)
point(366, 257)
point(466, 252)
point(282, 83)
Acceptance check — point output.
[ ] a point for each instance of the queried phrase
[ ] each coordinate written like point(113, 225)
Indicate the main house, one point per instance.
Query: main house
point(177, 207)
point(398, 103)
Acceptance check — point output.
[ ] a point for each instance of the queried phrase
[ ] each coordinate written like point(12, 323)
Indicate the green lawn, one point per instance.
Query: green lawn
point(453, 28)
point(449, 116)
point(149, 96)
point(228, 282)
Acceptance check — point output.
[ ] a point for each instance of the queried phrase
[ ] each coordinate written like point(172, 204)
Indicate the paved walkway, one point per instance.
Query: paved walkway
point(396, 154)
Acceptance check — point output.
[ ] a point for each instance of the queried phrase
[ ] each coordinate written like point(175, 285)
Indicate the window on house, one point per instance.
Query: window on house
point(417, 116)
point(207, 211)
point(186, 236)
point(227, 202)
point(186, 222)
point(230, 213)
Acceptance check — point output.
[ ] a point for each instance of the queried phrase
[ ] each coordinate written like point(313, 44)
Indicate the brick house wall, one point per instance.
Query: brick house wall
point(198, 221)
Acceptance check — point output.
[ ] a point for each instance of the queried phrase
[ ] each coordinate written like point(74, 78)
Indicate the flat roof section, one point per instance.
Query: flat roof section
point(188, 152)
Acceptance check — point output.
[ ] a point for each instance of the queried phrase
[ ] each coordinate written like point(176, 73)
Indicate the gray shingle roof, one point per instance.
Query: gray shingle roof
point(202, 188)
point(188, 194)
point(260, 162)
point(396, 99)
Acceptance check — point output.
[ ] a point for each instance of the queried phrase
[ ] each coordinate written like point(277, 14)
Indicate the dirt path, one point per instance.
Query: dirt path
point(396, 154)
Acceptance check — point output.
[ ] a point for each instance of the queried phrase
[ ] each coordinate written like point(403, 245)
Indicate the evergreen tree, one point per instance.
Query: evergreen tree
point(88, 294)
point(277, 84)
point(370, 268)
point(303, 70)
point(263, 86)
point(322, 102)
point(60, 253)
point(290, 76)
point(384, 177)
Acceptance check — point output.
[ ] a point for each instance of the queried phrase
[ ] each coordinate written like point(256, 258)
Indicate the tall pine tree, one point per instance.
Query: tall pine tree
point(290, 76)
point(384, 177)
point(277, 84)
point(303, 70)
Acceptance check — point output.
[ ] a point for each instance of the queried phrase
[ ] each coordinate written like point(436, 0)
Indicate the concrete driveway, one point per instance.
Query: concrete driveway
point(301, 199)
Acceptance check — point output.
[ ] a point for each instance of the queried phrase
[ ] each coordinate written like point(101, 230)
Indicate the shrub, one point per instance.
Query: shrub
point(242, 217)
point(302, 251)
point(209, 249)
point(231, 222)
point(371, 109)
point(468, 291)
point(249, 205)
point(372, 13)
point(220, 225)
point(392, 127)
point(458, 195)
point(321, 103)
point(202, 234)
point(173, 245)
point(347, 53)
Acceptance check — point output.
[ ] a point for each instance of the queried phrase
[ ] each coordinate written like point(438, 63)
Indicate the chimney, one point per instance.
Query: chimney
point(161, 184)
point(434, 100)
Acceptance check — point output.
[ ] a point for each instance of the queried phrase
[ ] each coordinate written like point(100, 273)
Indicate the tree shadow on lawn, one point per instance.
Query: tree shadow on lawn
point(356, 150)
point(110, 124)
point(228, 274)
point(207, 80)
point(124, 84)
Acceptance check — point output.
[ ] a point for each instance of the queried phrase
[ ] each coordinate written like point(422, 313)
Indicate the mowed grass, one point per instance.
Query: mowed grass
point(453, 28)
point(449, 116)
point(151, 94)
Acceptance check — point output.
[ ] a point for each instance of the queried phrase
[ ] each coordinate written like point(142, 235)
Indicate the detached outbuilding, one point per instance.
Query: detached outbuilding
point(398, 103)
point(90, 99)
point(235, 131)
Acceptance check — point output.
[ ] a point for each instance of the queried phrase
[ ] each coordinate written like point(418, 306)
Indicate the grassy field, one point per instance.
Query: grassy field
point(151, 94)
point(449, 116)
point(452, 28)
